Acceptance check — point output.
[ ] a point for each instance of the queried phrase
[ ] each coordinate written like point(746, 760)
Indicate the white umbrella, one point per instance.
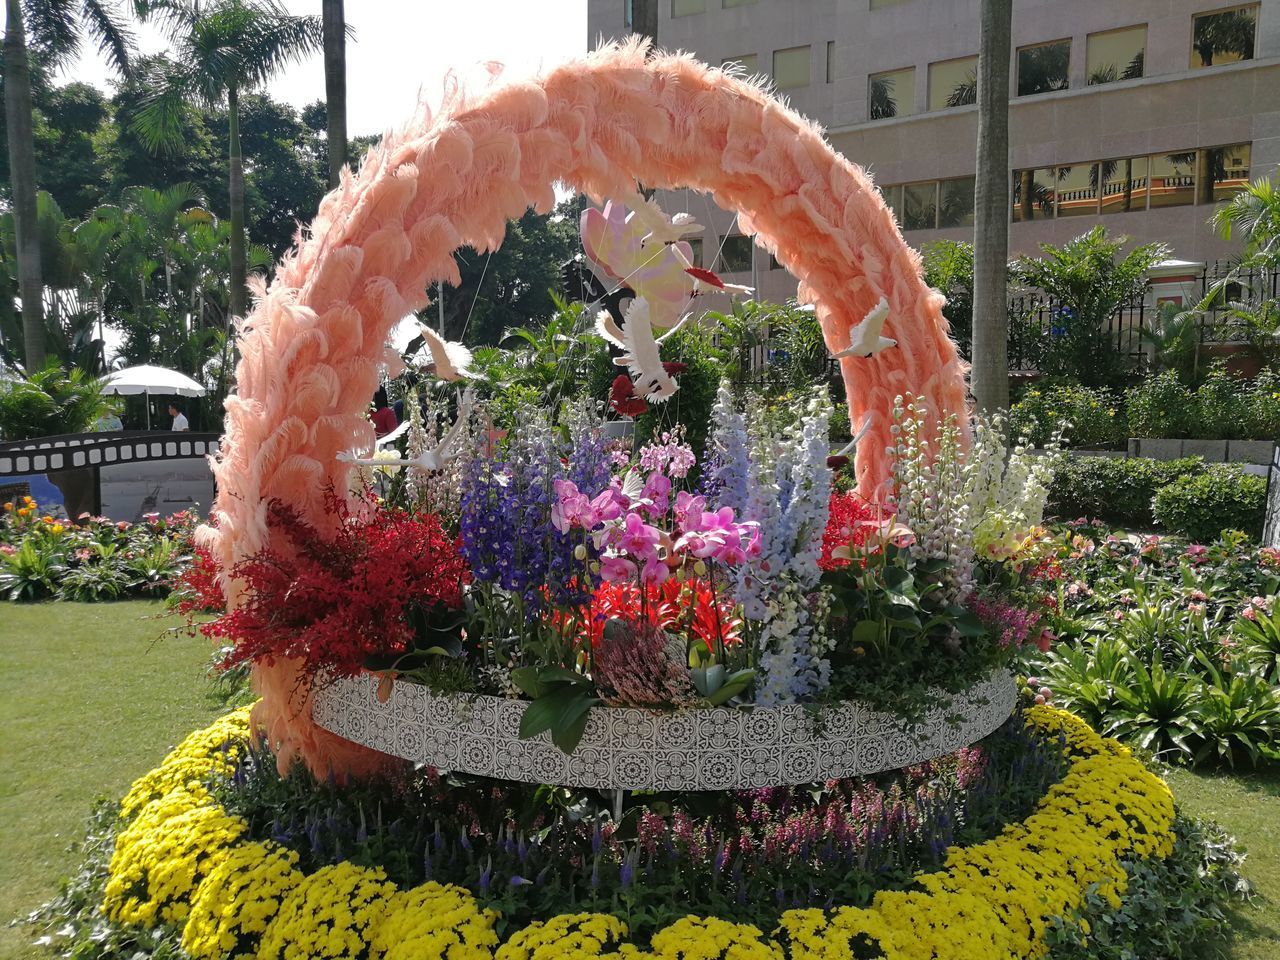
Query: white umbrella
point(148, 379)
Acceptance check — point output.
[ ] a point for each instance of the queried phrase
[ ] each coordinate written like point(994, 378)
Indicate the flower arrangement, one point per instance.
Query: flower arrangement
point(997, 898)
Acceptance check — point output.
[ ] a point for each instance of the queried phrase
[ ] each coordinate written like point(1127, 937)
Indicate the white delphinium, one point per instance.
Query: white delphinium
point(1007, 489)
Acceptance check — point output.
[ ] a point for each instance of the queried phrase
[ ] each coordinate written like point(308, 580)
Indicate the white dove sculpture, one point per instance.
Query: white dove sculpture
point(438, 456)
point(662, 229)
point(865, 339)
point(451, 359)
point(643, 360)
point(849, 448)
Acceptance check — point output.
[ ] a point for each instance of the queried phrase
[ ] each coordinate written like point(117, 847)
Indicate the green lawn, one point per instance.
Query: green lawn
point(91, 696)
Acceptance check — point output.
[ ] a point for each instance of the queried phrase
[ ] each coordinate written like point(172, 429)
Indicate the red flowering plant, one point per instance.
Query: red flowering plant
point(363, 597)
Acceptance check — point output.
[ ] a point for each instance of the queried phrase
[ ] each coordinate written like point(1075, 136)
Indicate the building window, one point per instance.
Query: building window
point(736, 3)
point(920, 205)
point(892, 94)
point(696, 256)
point(749, 63)
point(1173, 179)
point(1077, 187)
point(953, 83)
point(1034, 194)
point(735, 254)
point(831, 61)
point(791, 68)
point(893, 200)
point(683, 8)
point(1116, 54)
point(1124, 184)
point(1044, 67)
point(1224, 36)
point(955, 202)
point(1225, 172)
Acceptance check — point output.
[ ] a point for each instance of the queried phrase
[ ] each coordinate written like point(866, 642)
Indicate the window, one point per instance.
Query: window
point(682, 8)
point(1044, 67)
point(892, 94)
point(955, 202)
point(1035, 194)
point(791, 68)
point(696, 256)
point(1077, 190)
point(1173, 179)
point(1124, 184)
point(920, 205)
point(749, 62)
point(1225, 172)
point(735, 254)
point(831, 61)
point(953, 83)
point(893, 200)
point(774, 264)
point(1223, 37)
point(1116, 54)
point(736, 3)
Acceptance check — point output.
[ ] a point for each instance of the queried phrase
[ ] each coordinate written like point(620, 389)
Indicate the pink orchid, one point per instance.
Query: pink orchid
point(572, 509)
point(689, 510)
point(657, 490)
point(639, 539)
point(609, 504)
point(613, 569)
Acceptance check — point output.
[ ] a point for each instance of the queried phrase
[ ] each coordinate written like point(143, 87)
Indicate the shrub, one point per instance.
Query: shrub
point(1223, 497)
point(1160, 406)
point(49, 402)
point(1094, 416)
point(1117, 490)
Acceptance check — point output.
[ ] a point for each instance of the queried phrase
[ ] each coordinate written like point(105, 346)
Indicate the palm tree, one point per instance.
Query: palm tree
point(335, 85)
point(56, 29)
point(989, 379)
point(222, 48)
point(1255, 213)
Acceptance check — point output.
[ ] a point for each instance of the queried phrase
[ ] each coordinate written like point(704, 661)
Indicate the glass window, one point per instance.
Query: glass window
point(1224, 37)
point(1044, 67)
point(1034, 194)
point(735, 255)
point(1078, 190)
point(1173, 179)
point(920, 206)
point(1226, 171)
point(696, 244)
point(1124, 184)
point(831, 60)
point(774, 264)
point(953, 83)
point(682, 8)
point(893, 200)
point(749, 62)
point(955, 202)
point(791, 68)
point(1116, 54)
point(892, 94)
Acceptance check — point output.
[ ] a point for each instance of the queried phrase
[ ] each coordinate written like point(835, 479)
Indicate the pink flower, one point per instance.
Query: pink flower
point(1197, 553)
point(1199, 596)
point(572, 509)
point(657, 490)
point(1261, 603)
point(610, 504)
point(639, 539)
point(1250, 614)
point(614, 568)
point(689, 510)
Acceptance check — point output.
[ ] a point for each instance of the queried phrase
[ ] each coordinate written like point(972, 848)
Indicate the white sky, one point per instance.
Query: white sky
point(403, 47)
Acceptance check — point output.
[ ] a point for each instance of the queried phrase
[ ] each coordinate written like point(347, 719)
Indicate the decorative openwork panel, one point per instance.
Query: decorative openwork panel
point(716, 748)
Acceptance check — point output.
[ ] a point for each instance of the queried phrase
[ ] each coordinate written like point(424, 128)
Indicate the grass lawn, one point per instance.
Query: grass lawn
point(91, 697)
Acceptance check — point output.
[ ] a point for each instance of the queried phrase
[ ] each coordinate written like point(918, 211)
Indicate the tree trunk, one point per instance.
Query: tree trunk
point(238, 270)
point(335, 85)
point(22, 166)
point(989, 379)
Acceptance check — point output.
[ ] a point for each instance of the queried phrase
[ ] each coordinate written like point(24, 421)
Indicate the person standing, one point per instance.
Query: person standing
point(179, 421)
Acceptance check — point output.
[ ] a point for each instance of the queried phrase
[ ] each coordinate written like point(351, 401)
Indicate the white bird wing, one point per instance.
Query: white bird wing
point(683, 320)
point(451, 358)
point(607, 328)
point(394, 435)
point(852, 445)
point(645, 361)
point(865, 338)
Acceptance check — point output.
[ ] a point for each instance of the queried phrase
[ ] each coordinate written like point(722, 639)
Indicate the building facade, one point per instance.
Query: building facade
point(1138, 115)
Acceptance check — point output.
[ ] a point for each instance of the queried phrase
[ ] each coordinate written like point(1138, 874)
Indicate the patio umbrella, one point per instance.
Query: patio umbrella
point(148, 379)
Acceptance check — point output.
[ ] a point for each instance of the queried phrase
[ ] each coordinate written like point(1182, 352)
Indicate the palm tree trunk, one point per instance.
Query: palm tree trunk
point(238, 270)
point(989, 379)
point(335, 85)
point(22, 166)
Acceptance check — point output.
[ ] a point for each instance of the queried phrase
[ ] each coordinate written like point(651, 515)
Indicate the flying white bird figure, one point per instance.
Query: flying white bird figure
point(610, 331)
point(642, 359)
point(438, 456)
point(865, 338)
point(852, 445)
point(452, 360)
point(662, 229)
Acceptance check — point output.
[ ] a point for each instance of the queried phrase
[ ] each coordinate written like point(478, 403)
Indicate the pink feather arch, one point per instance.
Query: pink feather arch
point(312, 346)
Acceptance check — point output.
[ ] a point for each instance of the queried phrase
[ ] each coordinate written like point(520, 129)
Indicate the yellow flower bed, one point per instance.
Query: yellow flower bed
point(181, 860)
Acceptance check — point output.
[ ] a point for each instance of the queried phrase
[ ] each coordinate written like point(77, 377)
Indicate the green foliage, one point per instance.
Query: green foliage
point(691, 406)
point(49, 402)
point(1223, 497)
point(1172, 908)
point(948, 267)
point(1089, 279)
point(1117, 490)
point(1223, 407)
point(1254, 214)
point(1160, 406)
point(1094, 417)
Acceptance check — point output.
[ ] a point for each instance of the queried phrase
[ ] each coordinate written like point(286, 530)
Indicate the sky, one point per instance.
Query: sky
point(404, 48)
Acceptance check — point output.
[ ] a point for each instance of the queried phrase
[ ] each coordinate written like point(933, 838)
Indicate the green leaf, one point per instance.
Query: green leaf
point(538, 716)
point(707, 680)
point(572, 722)
point(733, 686)
point(528, 680)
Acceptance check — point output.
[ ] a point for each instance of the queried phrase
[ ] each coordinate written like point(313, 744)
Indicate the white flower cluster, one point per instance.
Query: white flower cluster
point(1008, 489)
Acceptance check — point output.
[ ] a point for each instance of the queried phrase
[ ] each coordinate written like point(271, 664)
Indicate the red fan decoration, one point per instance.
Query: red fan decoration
point(706, 276)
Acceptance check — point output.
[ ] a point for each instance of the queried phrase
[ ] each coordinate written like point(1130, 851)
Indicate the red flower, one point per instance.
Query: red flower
point(847, 525)
point(623, 399)
point(687, 606)
point(674, 368)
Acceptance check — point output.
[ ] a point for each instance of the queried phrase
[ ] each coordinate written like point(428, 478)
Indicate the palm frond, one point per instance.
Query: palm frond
point(158, 120)
point(115, 38)
point(53, 33)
